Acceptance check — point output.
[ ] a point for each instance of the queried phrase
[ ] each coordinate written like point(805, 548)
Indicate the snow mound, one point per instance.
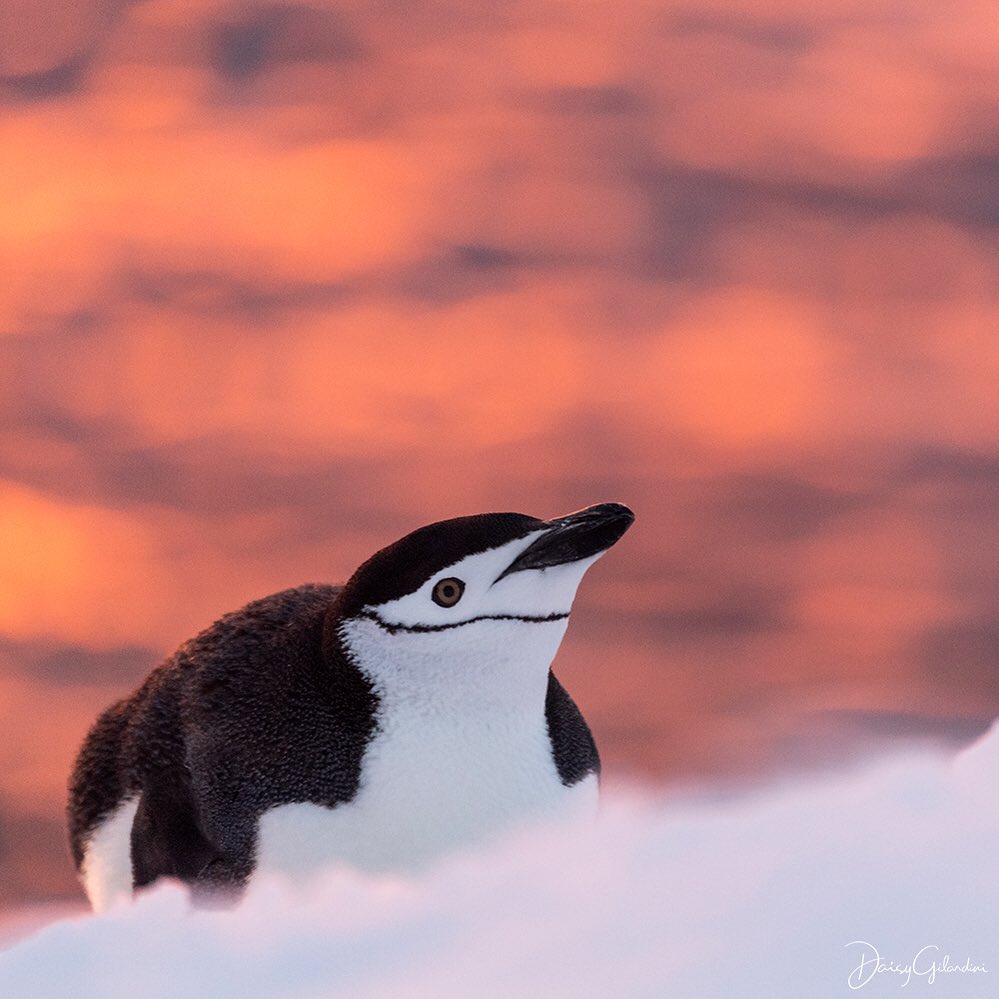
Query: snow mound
point(797, 892)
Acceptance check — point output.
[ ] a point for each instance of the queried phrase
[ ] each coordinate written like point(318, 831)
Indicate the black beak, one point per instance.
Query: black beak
point(573, 537)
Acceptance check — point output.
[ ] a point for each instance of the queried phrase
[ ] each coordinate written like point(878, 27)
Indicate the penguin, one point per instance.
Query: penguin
point(380, 724)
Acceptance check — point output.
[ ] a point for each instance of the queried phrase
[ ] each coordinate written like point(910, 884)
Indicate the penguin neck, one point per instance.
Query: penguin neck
point(487, 668)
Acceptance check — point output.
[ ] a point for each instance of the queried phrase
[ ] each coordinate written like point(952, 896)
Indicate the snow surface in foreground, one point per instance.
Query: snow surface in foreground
point(760, 896)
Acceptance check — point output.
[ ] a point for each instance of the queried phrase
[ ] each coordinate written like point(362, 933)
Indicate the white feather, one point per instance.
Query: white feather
point(107, 858)
point(462, 750)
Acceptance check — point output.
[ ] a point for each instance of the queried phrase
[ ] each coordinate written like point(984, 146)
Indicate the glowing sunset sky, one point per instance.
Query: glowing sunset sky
point(281, 282)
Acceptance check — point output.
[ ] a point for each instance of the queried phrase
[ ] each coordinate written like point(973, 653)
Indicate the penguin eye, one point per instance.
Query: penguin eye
point(447, 592)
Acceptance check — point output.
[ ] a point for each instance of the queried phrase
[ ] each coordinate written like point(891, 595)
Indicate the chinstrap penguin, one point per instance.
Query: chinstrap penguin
point(380, 723)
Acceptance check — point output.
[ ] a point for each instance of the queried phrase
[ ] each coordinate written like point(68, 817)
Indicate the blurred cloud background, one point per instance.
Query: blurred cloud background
point(281, 282)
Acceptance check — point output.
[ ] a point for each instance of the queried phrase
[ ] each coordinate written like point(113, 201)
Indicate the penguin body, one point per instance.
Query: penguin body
point(381, 723)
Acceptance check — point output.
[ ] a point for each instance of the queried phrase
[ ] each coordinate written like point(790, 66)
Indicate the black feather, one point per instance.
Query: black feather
point(260, 709)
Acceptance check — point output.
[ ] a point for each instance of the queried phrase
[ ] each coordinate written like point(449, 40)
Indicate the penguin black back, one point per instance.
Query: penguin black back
point(179, 742)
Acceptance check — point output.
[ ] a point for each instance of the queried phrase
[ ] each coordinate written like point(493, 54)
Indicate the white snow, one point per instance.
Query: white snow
point(761, 895)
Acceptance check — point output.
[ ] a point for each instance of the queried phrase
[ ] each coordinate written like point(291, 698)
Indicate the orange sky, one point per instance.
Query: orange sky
point(282, 282)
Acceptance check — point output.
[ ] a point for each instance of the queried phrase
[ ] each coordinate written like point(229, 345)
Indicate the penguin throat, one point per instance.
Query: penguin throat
point(502, 663)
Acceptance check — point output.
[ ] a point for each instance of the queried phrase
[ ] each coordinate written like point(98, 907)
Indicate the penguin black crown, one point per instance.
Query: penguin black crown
point(381, 723)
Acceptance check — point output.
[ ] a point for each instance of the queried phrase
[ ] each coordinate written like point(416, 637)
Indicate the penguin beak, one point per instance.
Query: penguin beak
point(576, 536)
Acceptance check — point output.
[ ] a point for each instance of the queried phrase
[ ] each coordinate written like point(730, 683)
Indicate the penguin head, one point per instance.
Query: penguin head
point(482, 595)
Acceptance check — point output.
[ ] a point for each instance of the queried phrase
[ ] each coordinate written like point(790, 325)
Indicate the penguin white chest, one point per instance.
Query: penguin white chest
point(458, 755)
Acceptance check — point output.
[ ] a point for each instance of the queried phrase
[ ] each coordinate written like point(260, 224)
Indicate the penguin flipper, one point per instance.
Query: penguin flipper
point(166, 838)
point(100, 807)
point(97, 786)
point(573, 748)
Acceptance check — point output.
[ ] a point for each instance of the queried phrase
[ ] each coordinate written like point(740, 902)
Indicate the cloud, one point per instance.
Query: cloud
point(28, 875)
point(51, 552)
point(247, 44)
point(71, 665)
point(284, 281)
point(45, 47)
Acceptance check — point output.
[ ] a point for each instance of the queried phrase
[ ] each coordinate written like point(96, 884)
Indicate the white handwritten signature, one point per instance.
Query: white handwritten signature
point(923, 965)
